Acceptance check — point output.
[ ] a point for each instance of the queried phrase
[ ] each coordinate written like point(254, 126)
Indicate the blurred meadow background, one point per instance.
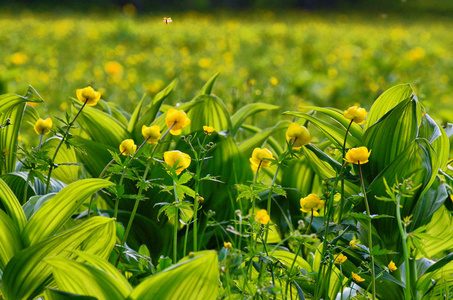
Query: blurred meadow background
point(327, 53)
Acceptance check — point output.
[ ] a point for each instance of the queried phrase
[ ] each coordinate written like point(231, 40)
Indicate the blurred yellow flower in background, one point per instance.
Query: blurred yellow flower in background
point(392, 266)
point(43, 126)
point(357, 277)
point(262, 217)
point(227, 245)
point(19, 58)
point(208, 130)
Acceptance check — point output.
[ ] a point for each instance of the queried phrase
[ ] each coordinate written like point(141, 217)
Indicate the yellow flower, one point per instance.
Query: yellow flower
point(227, 245)
point(19, 58)
point(176, 120)
point(182, 159)
point(311, 202)
point(353, 244)
point(297, 135)
point(258, 157)
point(152, 133)
point(356, 114)
point(43, 126)
point(167, 20)
point(273, 81)
point(127, 147)
point(208, 130)
point(392, 266)
point(88, 95)
point(340, 258)
point(113, 68)
point(357, 277)
point(262, 216)
point(358, 155)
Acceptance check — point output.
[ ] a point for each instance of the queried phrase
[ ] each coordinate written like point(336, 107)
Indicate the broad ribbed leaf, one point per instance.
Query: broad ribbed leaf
point(334, 133)
point(355, 130)
point(194, 277)
point(271, 141)
point(211, 112)
point(438, 236)
point(207, 88)
point(88, 280)
point(437, 137)
point(391, 136)
point(64, 173)
point(12, 107)
point(258, 139)
point(26, 275)
point(413, 163)
point(442, 279)
point(52, 294)
point(10, 242)
point(52, 215)
point(12, 206)
point(102, 127)
point(287, 259)
point(151, 113)
point(96, 156)
point(135, 115)
point(387, 101)
point(249, 110)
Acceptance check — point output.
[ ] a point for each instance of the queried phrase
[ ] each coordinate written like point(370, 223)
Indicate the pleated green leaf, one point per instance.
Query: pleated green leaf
point(150, 114)
point(88, 280)
point(27, 274)
point(96, 156)
point(387, 101)
point(211, 112)
point(194, 277)
point(101, 127)
point(53, 294)
point(207, 88)
point(287, 259)
point(12, 206)
point(258, 139)
point(12, 107)
point(249, 110)
point(10, 242)
point(438, 235)
point(437, 137)
point(334, 133)
point(271, 141)
point(52, 215)
point(135, 115)
point(355, 130)
point(64, 173)
point(391, 136)
point(442, 280)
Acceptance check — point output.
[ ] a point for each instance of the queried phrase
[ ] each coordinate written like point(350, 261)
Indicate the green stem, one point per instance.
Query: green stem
point(291, 269)
point(407, 290)
point(342, 179)
point(370, 237)
point(40, 141)
point(59, 145)
point(196, 202)
point(309, 224)
point(269, 199)
point(175, 228)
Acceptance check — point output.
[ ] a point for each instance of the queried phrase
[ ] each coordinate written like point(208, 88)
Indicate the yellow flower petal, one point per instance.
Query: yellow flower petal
point(182, 159)
point(128, 147)
point(358, 155)
point(298, 136)
point(43, 126)
point(88, 95)
point(260, 156)
point(356, 114)
point(152, 133)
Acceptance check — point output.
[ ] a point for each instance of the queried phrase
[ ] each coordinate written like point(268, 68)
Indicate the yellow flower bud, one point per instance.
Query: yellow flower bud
point(392, 266)
point(128, 147)
point(311, 202)
point(152, 133)
point(176, 120)
point(208, 130)
point(262, 217)
point(227, 245)
point(358, 155)
point(297, 135)
point(182, 159)
point(340, 258)
point(353, 244)
point(357, 277)
point(88, 95)
point(356, 114)
point(43, 126)
point(258, 157)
